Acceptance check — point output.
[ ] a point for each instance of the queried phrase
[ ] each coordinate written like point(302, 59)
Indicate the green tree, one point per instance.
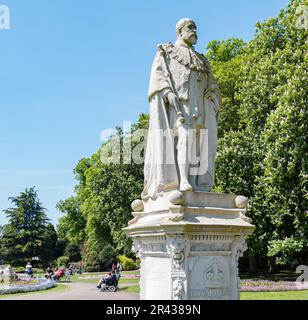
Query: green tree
point(227, 61)
point(72, 224)
point(94, 218)
point(1, 246)
point(50, 239)
point(28, 233)
point(263, 155)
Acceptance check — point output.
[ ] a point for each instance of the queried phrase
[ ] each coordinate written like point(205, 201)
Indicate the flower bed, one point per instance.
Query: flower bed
point(270, 286)
point(27, 285)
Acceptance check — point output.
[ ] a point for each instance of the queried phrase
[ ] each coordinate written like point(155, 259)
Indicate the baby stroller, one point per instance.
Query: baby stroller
point(111, 283)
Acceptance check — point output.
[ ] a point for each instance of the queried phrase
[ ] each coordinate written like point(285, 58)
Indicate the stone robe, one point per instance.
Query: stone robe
point(187, 74)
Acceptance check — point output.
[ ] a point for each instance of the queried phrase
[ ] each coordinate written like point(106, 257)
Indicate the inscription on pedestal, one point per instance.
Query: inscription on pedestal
point(209, 294)
point(158, 278)
point(209, 278)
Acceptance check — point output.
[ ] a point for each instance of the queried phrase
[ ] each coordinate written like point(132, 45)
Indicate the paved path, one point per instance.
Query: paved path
point(78, 291)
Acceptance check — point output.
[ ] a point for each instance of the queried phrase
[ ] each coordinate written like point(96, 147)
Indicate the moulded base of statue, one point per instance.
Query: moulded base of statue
point(189, 245)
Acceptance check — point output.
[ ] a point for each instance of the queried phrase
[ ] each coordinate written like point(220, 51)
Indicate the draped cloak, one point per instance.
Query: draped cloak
point(187, 74)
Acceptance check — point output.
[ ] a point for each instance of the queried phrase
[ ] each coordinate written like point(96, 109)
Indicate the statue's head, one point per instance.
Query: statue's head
point(186, 30)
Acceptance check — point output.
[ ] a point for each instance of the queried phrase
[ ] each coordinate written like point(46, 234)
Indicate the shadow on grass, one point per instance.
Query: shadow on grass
point(282, 276)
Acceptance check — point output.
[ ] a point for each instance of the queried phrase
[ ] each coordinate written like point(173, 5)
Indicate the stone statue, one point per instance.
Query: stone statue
point(193, 235)
point(184, 111)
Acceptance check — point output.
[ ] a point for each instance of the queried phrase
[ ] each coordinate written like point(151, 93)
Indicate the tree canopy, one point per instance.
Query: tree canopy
point(28, 234)
point(94, 218)
point(263, 137)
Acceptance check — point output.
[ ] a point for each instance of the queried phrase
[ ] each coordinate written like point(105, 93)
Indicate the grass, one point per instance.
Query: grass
point(76, 278)
point(129, 280)
point(131, 289)
point(59, 288)
point(131, 272)
point(286, 295)
point(82, 279)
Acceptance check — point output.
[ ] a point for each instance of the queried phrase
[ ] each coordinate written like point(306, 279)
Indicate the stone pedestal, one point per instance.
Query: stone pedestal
point(189, 245)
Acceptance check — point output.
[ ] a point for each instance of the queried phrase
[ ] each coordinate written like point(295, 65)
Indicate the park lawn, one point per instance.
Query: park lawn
point(133, 272)
point(288, 295)
point(131, 280)
point(132, 289)
point(285, 295)
point(77, 278)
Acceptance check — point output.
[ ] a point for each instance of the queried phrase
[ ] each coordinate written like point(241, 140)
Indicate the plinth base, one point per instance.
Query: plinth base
point(187, 251)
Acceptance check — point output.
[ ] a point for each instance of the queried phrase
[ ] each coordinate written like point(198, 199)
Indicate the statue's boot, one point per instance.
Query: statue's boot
point(185, 186)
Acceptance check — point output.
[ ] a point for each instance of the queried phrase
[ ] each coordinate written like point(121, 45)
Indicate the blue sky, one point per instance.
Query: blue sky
point(70, 69)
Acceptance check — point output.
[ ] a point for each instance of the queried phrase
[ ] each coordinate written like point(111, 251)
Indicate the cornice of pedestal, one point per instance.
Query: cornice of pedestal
point(190, 220)
point(191, 213)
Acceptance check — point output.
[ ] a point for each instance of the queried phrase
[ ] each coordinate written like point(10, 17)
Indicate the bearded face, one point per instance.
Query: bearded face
point(189, 33)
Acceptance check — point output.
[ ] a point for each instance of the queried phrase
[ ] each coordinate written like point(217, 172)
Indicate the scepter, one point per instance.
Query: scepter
point(176, 107)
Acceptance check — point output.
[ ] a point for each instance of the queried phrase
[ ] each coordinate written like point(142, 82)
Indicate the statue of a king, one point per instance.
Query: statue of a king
point(184, 112)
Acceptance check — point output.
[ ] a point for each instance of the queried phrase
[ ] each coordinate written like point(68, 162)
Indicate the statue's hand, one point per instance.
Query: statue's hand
point(172, 100)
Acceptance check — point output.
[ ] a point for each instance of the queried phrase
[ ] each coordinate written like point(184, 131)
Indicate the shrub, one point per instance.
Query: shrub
point(90, 259)
point(88, 267)
point(19, 269)
point(22, 270)
point(91, 263)
point(73, 252)
point(107, 256)
point(99, 260)
point(127, 263)
point(63, 261)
